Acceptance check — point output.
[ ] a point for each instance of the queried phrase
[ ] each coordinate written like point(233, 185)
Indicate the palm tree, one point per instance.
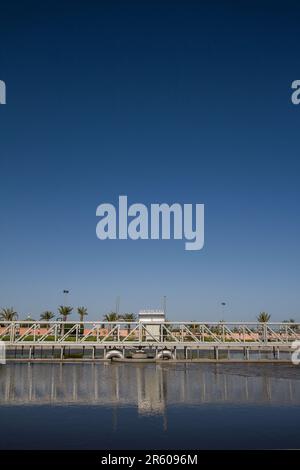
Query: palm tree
point(128, 317)
point(111, 317)
point(263, 317)
point(82, 312)
point(64, 311)
point(292, 327)
point(47, 315)
point(8, 314)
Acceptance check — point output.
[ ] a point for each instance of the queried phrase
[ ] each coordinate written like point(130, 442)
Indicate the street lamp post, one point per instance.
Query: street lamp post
point(65, 292)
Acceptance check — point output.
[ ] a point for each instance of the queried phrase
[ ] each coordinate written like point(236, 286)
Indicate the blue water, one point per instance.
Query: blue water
point(127, 406)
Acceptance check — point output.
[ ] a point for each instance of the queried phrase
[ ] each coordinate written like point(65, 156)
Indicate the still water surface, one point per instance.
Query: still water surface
point(150, 406)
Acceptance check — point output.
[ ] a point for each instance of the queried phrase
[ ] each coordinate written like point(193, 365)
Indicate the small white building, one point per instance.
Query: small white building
point(152, 319)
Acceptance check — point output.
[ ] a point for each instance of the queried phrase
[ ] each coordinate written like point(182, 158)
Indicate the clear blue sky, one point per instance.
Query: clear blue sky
point(178, 101)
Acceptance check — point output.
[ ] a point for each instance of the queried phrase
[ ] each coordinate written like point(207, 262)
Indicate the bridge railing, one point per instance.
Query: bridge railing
point(120, 332)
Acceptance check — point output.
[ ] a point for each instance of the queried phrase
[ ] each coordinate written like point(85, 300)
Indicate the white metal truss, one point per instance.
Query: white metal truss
point(138, 333)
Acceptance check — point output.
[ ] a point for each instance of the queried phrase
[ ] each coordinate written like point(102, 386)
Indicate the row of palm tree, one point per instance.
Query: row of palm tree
point(9, 314)
point(64, 311)
point(113, 316)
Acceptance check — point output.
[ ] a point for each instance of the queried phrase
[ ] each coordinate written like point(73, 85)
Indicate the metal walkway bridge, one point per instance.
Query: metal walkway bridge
point(166, 339)
point(139, 334)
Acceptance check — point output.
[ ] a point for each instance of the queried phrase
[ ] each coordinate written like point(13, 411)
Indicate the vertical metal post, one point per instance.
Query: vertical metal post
point(216, 353)
point(12, 333)
point(265, 333)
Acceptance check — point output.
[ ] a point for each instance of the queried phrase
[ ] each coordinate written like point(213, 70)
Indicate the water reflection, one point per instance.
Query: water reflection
point(150, 387)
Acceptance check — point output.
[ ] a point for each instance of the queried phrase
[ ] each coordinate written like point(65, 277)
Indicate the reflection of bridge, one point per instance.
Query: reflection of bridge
point(187, 337)
point(151, 388)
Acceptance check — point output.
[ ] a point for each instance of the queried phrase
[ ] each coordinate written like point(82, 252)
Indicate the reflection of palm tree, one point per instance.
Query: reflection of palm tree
point(8, 314)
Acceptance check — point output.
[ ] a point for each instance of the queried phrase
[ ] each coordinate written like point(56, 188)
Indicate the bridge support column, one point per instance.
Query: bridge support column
point(30, 352)
point(276, 352)
point(175, 352)
point(62, 353)
point(185, 352)
point(216, 351)
point(93, 352)
point(246, 354)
